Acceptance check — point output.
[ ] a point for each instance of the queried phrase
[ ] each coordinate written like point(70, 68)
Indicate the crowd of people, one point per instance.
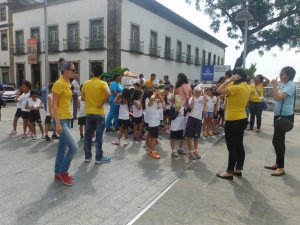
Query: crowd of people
point(150, 108)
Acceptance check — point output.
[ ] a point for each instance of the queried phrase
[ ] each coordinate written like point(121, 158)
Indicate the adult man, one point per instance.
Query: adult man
point(166, 80)
point(150, 83)
point(76, 86)
point(95, 93)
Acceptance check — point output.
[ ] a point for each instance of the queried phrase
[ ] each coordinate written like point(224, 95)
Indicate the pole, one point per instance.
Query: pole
point(245, 44)
point(46, 47)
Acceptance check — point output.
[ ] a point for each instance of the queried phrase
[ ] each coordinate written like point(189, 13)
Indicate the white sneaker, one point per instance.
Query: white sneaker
point(116, 142)
point(125, 143)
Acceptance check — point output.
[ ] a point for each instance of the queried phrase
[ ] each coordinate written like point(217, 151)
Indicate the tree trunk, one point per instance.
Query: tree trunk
point(239, 61)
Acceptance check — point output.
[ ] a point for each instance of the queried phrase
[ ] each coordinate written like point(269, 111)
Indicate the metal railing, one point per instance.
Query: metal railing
point(180, 56)
point(19, 49)
point(70, 45)
point(154, 51)
point(189, 59)
point(94, 44)
point(137, 47)
point(197, 61)
point(169, 54)
point(53, 47)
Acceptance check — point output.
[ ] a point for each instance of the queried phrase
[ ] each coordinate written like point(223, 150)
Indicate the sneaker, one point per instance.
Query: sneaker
point(47, 138)
point(116, 142)
point(191, 156)
point(56, 177)
point(174, 154)
point(125, 143)
point(88, 159)
point(65, 178)
point(54, 136)
point(13, 133)
point(181, 152)
point(33, 137)
point(104, 159)
point(110, 130)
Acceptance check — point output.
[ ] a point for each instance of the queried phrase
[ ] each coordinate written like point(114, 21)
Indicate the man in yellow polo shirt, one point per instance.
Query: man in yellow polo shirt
point(150, 83)
point(95, 93)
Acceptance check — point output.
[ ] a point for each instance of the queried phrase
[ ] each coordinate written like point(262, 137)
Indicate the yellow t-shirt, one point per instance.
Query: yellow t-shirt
point(63, 89)
point(149, 84)
point(254, 93)
point(94, 91)
point(237, 101)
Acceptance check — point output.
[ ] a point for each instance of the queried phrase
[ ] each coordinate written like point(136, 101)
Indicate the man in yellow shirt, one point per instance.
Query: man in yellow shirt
point(95, 93)
point(150, 83)
point(256, 101)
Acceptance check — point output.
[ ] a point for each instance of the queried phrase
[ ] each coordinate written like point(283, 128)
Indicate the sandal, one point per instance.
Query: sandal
point(181, 152)
point(191, 156)
point(238, 174)
point(274, 167)
point(154, 155)
point(275, 174)
point(224, 177)
point(197, 154)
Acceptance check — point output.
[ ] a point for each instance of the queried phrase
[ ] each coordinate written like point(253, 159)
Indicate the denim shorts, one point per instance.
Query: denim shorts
point(209, 115)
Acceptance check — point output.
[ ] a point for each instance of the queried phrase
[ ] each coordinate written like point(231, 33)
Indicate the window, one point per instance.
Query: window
point(214, 60)
point(222, 61)
point(96, 30)
point(35, 33)
point(20, 47)
point(153, 44)
point(73, 37)
point(209, 58)
point(168, 48)
point(203, 57)
point(5, 77)
point(4, 42)
point(135, 34)
point(188, 54)
point(2, 14)
point(179, 51)
point(197, 62)
point(218, 60)
point(53, 39)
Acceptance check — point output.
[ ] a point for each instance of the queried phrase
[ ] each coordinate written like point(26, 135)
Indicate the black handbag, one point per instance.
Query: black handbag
point(282, 123)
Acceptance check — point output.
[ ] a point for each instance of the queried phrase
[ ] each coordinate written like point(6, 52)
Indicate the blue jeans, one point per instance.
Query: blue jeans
point(66, 139)
point(113, 115)
point(92, 123)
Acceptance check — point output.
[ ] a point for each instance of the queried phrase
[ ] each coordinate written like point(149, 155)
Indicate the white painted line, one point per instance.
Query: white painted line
point(153, 202)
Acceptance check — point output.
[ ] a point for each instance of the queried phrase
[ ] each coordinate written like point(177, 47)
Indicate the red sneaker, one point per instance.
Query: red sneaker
point(64, 177)
point(56, 177)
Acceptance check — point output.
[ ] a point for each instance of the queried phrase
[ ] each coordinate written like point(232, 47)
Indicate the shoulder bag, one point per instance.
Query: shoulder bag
point(265, 104)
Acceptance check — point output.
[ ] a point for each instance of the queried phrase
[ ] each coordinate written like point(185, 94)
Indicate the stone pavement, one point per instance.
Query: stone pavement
point(107, 194)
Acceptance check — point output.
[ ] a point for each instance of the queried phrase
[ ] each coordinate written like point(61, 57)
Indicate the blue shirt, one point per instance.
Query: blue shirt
point(114, 86)
point(288, 103)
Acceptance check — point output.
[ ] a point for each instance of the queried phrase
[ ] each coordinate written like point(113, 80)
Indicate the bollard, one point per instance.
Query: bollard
point(44, 98)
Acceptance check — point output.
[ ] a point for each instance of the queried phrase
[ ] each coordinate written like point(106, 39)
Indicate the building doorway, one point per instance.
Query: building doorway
point(20, 73)
point(36, 76)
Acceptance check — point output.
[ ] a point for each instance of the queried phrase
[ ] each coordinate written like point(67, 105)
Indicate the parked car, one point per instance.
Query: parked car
point(10, 93)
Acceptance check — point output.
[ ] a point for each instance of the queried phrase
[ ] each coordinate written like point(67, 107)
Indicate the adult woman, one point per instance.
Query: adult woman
point(238, 96)
point(183, 88)
point(256, 100)
point(61, 106)
point(115, 89)
point(284, 97)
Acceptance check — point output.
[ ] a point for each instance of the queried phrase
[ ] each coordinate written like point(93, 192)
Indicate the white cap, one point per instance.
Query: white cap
point(198, 88)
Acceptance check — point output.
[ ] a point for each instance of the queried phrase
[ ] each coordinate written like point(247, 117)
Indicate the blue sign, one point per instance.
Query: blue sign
point(207, 72)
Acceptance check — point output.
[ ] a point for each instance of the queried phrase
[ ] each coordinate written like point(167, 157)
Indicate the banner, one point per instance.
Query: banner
point(32, 51)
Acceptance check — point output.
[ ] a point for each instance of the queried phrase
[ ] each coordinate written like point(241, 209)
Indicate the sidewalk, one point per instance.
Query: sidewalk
point(257, 198)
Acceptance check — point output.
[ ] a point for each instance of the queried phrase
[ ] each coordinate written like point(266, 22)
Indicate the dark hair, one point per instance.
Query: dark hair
point(60, 60)
point(289, 71)
point(148, 94)
point(181, 79)
point(166, 76)
point(27, 83)
point(97, 70)
point(136, 95)
point(153, 75)
point(116, 75)
point(126, 94)
point(141, 75)
point(242, 74)
point(50, 86)
point(34, 92)
point(221, 80)
point(167, 88)
point(228, 73)
point(65, 65)
point(261, 78)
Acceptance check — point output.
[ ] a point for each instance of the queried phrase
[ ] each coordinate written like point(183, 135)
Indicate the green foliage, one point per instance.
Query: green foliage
point(120, 70)
point(276, 23)
point(251, 71)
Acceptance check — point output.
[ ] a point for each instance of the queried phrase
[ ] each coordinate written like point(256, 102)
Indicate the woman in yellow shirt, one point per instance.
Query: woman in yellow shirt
point(256, 100)
point(238, 95)
point(61, 106)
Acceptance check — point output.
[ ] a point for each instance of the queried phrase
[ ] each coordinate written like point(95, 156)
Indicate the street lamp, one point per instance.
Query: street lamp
point(45, 2)
point(244, 15)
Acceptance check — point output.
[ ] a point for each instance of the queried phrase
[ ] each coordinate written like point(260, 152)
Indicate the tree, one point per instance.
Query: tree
point(276, 22)
point(251, 71)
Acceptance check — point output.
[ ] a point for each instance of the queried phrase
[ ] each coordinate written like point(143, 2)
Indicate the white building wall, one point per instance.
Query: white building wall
point(61, 15)
point(147, 21)
point(4, 55)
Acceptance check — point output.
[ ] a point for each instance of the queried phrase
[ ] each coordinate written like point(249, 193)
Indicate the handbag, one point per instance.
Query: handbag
point(282, 123)
point(265, 104)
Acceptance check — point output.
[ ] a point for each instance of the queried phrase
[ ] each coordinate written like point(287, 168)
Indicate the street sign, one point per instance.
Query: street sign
point(219, 71)
point(207, 73)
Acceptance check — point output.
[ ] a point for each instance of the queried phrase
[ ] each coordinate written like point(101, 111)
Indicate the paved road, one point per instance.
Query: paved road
point(116, 193)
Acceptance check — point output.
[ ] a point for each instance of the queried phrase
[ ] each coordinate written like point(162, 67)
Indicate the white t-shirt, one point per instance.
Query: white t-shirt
point(210, 103)
point(35, 104)
point(81, 108)
point(19, 104)
point(197, 110)
point(76, 86)
point(124, 112)
point(23, 100)
point(48, 110)
point(179, 122)
point(137, 113)
point(153, 114)
point(169, 101)
point(161, 112)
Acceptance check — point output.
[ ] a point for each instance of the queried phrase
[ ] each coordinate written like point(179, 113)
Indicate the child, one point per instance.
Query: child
point(18, 113)
point(168, 102)
point(26, 87)
point(49, 116)
point(152, 106)
point(81, 116)
point(215, 125)
point(146, 96)
point(194, 122)
point(123, 100)
point(162, 109)
point(221, 113)
point(34, 104)
point(210, 101)
point(137, 115)
point(177, 128)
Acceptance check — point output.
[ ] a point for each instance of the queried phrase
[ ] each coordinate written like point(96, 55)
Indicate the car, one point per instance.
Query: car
point(10, 93)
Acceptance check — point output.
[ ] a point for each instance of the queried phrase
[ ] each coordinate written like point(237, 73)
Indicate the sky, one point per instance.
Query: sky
point(269, 64)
